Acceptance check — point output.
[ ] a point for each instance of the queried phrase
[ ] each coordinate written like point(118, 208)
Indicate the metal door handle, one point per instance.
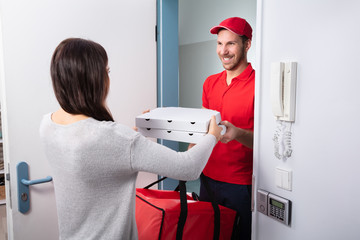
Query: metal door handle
point(23, 183)
point(33, 182)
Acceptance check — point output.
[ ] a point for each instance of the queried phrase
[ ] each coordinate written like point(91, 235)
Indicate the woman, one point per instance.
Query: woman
point(95, 161)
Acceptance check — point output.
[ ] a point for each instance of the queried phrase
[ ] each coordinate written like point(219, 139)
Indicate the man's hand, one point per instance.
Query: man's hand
point(243, 136)
point(231, 132)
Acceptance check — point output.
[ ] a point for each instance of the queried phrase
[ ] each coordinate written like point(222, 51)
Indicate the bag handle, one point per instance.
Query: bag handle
point(157, 181)
point(215, 207)
point(184, 210)
point(183, 205)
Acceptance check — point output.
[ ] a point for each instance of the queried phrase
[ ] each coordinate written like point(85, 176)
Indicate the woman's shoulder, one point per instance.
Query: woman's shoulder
point(114, 128)
point(45, 120)
point(88, 127)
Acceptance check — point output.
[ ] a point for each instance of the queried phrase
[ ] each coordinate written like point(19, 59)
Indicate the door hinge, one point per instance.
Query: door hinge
point(7, 177)
point(156, 33)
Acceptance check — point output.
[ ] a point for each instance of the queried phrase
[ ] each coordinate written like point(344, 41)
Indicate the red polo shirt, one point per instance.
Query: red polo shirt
point(231, 162)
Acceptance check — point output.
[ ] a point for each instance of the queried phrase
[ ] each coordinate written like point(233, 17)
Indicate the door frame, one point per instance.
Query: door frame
point(168, 66)
point(4, 127)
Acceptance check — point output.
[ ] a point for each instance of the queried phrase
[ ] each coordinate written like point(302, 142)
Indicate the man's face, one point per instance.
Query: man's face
point(230, 49)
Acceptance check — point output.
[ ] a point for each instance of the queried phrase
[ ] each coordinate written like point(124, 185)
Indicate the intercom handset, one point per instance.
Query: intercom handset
point(277, 77)
point(283, 87)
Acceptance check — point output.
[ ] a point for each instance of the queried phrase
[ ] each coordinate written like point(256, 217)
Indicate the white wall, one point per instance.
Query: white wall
point(197, 50)
point(323, 37)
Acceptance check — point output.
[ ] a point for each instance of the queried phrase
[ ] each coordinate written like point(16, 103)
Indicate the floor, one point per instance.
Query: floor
point(3, 226)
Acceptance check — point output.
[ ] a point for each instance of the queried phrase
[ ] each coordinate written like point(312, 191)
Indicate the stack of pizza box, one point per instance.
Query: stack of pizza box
point(176, 123)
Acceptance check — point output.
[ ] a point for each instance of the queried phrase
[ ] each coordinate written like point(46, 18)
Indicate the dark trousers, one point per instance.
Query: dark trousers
point(234, 196)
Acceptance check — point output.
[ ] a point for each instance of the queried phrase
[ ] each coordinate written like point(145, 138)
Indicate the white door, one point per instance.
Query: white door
point(29, 33)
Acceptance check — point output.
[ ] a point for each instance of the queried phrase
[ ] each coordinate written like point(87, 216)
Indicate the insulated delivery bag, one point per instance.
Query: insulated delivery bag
point(167, 215)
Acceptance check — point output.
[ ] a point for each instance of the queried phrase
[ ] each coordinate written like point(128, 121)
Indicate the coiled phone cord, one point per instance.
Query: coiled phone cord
point(282, 140)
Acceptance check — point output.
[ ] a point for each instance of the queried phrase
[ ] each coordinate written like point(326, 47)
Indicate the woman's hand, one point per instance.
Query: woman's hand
point(214, 129)
point(145, 111)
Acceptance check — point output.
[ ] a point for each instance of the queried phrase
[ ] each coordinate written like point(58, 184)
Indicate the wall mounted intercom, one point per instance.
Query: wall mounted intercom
point(274, 206)
point(283, 91)
point(283, 86)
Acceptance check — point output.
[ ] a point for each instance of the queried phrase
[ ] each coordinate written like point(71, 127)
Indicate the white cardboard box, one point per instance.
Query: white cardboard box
point(177, 118)
point(180, 136)
point(176, 123)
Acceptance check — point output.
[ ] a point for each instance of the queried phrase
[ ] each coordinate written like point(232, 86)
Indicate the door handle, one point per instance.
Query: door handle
point(38, 181)
point(23, 184)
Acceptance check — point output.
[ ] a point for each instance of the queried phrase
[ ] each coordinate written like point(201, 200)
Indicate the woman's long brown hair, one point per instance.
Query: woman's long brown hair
point(79, 74)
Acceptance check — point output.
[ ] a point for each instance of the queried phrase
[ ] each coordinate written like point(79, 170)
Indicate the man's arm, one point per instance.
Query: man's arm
point(243, 136)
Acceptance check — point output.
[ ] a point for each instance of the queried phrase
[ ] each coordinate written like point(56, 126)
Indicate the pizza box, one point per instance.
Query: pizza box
point(180, 136)
point(178, 119)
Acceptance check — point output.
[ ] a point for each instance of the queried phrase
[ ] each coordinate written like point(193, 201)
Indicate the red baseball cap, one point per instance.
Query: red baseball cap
point(236, 25)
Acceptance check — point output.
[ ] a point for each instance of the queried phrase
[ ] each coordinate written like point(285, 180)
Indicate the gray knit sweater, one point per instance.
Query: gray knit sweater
point(94, 167)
